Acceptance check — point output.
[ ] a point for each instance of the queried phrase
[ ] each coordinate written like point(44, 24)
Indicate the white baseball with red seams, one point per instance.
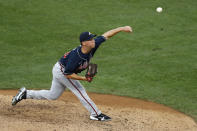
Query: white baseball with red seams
point(159, 9)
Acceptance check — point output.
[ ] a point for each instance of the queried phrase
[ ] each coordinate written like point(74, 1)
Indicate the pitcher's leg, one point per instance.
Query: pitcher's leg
point(77, 88)
point(56, 90)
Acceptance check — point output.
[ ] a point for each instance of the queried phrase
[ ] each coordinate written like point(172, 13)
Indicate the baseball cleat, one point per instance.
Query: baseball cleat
point(19, 96)
point(101, 117)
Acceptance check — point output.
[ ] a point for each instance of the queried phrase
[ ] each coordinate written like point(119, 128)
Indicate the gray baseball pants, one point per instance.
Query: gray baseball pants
point(59, 84)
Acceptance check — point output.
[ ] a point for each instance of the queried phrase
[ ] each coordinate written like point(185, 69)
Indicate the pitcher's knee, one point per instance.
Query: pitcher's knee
point(53, 97)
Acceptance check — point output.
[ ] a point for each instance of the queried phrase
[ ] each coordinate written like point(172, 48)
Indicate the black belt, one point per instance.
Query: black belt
point(61, 64)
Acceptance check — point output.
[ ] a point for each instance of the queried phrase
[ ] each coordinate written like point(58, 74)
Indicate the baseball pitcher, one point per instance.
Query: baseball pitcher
point(66, 73)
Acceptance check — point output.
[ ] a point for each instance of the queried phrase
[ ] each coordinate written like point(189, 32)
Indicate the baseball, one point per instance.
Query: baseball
point(159, 9)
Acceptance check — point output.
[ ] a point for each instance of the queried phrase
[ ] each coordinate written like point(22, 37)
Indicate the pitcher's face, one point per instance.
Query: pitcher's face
point(89, 43)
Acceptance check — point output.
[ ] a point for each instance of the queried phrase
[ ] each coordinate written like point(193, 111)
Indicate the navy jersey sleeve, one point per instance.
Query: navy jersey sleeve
point(98, 41)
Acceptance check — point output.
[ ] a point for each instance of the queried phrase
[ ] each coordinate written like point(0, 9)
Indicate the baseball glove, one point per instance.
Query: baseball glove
point(91, 71)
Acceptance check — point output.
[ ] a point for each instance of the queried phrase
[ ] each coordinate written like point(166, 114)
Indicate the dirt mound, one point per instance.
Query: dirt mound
point(67, 113)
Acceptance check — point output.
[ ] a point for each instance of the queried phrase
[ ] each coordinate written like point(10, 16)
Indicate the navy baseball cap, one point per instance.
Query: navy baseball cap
point(85, 36)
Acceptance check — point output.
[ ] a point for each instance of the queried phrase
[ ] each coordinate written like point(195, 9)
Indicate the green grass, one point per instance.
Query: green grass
point(158, 62)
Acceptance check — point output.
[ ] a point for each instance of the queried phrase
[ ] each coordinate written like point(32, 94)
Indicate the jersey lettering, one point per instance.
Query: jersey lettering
point(83, 66)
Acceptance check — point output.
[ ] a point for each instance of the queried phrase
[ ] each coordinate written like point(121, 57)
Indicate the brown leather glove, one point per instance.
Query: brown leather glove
point(91, 71)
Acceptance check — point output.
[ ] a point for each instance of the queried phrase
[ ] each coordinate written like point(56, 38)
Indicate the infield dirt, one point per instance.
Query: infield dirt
point(67, 113)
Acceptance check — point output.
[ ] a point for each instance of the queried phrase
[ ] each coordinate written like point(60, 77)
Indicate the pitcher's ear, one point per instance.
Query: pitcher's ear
point(83, 43)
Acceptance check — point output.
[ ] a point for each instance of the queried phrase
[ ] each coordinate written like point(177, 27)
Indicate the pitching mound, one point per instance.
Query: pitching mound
point(67, 113)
